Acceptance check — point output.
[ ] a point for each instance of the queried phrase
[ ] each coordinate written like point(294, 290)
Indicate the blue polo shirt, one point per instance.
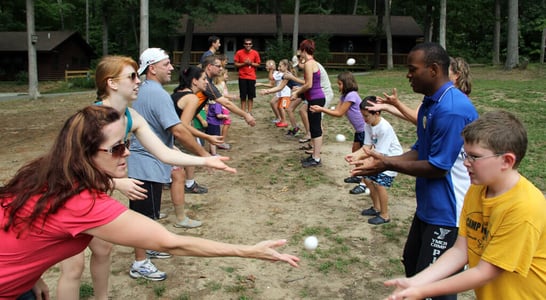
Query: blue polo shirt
point(440, 121)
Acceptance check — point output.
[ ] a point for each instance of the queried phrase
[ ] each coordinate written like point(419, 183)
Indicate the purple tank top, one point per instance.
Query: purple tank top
point(315, 92)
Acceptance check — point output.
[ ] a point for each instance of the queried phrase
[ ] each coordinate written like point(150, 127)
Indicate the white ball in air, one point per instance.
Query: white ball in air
point(340, 138)
point(311, 243)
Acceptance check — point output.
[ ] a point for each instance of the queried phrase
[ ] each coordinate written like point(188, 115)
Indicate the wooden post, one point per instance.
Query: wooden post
point(543, 45)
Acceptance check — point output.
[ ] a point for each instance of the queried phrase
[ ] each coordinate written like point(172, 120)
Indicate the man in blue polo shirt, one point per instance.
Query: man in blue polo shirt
point(443, 114)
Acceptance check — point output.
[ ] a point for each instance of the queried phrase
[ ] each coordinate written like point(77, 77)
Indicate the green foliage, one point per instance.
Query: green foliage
point(21, 78)
point(86, 290)
point(83, 83)
point(322, 44)
point(276, 51)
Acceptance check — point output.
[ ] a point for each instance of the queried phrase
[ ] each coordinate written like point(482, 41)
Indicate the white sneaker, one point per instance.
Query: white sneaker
point(147, 271)
point(157, 254)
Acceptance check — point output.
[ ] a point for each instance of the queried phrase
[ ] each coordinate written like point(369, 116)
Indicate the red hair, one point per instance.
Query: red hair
point(308, 46)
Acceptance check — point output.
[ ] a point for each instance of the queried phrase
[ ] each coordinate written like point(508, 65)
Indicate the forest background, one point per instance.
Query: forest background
point(112, 27)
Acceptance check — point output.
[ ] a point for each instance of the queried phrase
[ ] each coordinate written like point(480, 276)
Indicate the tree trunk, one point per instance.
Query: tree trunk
point(144, 25)
point(32, 61)
point(104, 30)
point(355, 7)
point(429, 21)
point(542, 45)
point(442, 29)
point(496, 34)
point(278, 21)
point(188, 37)
point(388, 33)
point(512, 54)
point(295, 33)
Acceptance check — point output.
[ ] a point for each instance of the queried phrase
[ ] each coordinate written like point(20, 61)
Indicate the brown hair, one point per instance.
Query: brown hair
point(65, 171)
point(464, 81)
point(110, 67)
point(499, 131)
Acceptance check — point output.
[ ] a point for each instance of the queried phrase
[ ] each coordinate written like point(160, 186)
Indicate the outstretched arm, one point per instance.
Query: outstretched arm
point(135, 230)
point(398, 108)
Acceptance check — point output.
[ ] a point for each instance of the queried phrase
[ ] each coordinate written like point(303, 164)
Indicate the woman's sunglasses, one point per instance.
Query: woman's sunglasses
point(117, 150)
point(131, 76)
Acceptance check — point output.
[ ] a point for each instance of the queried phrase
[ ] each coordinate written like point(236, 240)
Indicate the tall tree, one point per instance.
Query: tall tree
point(388, 33)
point(295, 31)
point(278, 21)
point(31, 42)
point(144, 25)
point(512, 51)
point(443, 17)
point(497, 33)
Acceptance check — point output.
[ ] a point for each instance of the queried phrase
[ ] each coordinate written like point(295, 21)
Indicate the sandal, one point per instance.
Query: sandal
point(378, 220)
point(353, 179)
point(370, 212)
point(306, 147)
point(304, 140)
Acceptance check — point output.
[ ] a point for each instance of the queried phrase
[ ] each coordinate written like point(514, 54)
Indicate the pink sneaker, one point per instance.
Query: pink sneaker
point(280, 124)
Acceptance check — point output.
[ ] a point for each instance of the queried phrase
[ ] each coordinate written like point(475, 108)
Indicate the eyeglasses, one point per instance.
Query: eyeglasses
point(131, 76)
point(248, 44)
point(474, 158)
point(117, 150)
point(218, 66)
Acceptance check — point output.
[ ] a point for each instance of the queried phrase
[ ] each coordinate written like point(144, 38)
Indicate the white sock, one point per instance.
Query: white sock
point(138, 263)
point(190, 182)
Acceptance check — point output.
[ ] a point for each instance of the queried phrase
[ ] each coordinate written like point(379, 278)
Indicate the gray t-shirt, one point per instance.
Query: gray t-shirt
point(157, 108)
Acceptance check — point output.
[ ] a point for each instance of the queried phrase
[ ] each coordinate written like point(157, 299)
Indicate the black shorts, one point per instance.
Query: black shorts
point(247, 89)
point(150, 206)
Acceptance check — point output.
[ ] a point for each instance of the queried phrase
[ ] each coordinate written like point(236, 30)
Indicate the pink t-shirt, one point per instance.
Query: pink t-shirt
point(24, 259)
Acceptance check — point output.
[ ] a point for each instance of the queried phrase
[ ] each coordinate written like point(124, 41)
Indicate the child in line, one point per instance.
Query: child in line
point(215, 118)
point(502, 229)
point(381, 138)
point(199, 122)
point(282, 91)
point(349, 106)
point(221, 84)
point(271, 68)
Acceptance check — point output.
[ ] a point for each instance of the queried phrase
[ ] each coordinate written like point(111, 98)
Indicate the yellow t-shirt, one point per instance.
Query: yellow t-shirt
point(508, 231)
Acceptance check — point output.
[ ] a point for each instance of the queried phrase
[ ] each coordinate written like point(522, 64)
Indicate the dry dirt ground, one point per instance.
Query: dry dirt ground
point(270, 197)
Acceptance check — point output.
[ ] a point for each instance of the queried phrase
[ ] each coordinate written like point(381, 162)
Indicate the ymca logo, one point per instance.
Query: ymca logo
point(443, 233)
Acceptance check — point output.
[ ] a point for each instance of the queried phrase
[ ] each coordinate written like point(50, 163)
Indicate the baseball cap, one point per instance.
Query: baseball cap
point(149, 57)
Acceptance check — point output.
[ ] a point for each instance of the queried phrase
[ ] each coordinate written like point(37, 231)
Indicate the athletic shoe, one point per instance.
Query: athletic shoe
point(147, 271)
point(311, 163)
point(157, 254)
point(295, 131)
point(360, 189)
point(353, 179)
point(281, 124)
point(188, 223)
point(275, 121)
point(196, 189)
point(309, 158)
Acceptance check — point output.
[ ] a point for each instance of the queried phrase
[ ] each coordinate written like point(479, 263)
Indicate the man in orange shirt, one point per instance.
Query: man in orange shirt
point(246, 61)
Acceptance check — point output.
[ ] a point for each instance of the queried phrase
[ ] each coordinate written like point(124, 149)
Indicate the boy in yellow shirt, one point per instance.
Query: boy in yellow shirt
point(502, 230)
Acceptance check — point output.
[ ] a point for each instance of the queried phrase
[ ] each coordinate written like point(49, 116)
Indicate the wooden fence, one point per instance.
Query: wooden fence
point(69, 74)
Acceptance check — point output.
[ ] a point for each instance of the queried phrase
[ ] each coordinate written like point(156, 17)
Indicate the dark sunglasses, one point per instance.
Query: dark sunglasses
point(131, 76)
point(248, 43)
point(117, 150)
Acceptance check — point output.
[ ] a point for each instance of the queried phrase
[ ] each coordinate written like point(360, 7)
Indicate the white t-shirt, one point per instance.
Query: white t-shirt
point(278, 77)
point(384, 140)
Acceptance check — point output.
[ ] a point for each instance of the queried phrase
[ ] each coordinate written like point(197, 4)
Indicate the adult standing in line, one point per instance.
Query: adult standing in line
point(156, 106)
point(325, 84)
point(444, 113)
point(213, 67)
point(214, 46)
point(312, 91)
point(247, 60)
point(55, 204)
point(117, 85)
